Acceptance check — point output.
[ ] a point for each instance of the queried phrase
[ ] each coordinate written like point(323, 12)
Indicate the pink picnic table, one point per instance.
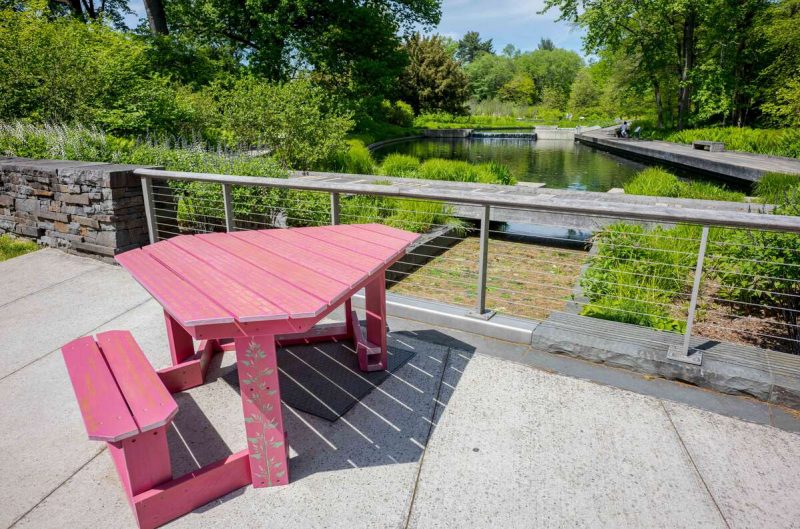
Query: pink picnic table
point(260, 288)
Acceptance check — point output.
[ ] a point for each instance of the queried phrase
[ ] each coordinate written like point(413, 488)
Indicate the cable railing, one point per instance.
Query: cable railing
point(727, 275)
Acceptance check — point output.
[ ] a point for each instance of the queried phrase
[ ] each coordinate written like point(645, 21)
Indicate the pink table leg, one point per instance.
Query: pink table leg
point(181, 346)
point(375, 305)
point(261, 402)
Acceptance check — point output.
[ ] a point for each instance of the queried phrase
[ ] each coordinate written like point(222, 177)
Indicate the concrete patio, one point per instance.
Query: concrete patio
point(472, 432)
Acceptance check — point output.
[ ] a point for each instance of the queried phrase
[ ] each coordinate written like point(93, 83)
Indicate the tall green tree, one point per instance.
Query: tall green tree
point(781, 78)
point(350, 44)
point(471, 46)
point(433, 80)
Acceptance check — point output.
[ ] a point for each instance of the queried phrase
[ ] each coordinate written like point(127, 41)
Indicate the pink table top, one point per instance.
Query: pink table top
point(262, 276)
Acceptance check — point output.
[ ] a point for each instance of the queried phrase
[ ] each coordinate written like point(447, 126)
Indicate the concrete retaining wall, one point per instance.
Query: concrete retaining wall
point(447, 133)
point(95, 208)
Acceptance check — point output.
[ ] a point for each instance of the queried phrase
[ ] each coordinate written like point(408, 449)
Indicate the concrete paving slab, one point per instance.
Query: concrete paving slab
point(521, 448)
point(46, 416)
point(752, 471)
point(36, 325)
point(356, 472)
point(39, 270)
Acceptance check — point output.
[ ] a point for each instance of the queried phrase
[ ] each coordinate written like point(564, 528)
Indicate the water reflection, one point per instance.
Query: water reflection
point(558, 163)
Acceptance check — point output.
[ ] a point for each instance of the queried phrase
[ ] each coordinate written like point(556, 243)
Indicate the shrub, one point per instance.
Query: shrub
point(401, 165)
point(292, 120)
point(398, 113)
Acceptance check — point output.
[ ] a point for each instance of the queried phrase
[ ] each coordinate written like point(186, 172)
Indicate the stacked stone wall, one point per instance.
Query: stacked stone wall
point(84, 207)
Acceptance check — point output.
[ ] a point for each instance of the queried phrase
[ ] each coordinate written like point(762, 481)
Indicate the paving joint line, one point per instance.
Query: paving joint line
point(79, 274)
point(26, 513)
point(694, 465)
point(129, 309)
point(436, 406)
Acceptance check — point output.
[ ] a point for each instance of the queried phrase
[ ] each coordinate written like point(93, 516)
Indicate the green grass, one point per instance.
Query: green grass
point(400, 165)
point(11, 247)
point(657, 182)
point(774, 142)
point(773, 188)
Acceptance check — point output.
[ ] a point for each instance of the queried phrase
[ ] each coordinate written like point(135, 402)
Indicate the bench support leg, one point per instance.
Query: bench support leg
point(257, 363)
point(142, 461)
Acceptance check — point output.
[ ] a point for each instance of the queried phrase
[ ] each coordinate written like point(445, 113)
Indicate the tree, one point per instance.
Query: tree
point(709, 52)
point(585, 93)
point(471, 46)
point(552, 70)
point(156, 17)
point(433, 80)
point(782, 76)
point(546, 44)
point(352, 45)
point(520, 89)
point(487, 74)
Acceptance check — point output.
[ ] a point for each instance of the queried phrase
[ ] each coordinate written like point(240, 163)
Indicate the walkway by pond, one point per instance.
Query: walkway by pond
point(734, 165)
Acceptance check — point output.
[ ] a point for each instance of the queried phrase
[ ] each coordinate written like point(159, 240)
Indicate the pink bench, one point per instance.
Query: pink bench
point(124, 402)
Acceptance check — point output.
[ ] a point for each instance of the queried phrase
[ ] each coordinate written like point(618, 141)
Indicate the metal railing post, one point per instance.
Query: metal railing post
point(334, 209)
point(227, 199)
point(683, 353)
point(483, 262)
point(150, 208)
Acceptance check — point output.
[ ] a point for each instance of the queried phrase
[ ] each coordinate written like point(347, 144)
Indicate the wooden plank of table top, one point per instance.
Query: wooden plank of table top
point(233, 261)
point(327, 288)
point(185, 303)
point(243, 303)
point(332, 235)
point(104, 411)
point(330, 262)
point(406, 237)
point(387, 240)
point(150, 403)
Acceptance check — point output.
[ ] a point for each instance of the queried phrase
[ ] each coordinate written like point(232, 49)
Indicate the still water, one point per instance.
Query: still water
point(557, 163)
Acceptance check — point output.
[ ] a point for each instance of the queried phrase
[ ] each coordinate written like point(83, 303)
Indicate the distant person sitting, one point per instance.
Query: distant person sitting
point(623, 130)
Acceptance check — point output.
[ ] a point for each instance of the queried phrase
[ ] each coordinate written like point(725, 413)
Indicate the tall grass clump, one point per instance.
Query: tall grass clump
point(774, 142)
point(773, 188)
point(460, 171)
point(637, 275)
point(657, 182)
point(356, 159)
point(400, 165)
point(12, 247)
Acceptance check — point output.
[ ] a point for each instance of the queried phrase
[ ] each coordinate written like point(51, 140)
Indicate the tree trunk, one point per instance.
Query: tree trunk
point(687, 52)
point(659, 104)
point(156, 17)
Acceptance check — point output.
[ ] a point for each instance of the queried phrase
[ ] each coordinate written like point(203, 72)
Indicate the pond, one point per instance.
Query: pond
point(557, 163)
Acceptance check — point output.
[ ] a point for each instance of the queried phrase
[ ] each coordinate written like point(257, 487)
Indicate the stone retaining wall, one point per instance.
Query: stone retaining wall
point(96, 208)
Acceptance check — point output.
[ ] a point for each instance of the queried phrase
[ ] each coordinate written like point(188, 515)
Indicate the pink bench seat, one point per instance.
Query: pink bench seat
point(124, 402)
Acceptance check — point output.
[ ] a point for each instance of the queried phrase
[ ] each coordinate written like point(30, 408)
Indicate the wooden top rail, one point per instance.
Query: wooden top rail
point(498, 197)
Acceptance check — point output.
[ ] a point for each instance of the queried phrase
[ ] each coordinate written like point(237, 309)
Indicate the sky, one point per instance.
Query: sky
point(514, 22)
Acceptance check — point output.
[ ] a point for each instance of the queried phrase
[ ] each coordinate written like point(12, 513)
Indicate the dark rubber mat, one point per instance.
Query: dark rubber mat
point(324, 379)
